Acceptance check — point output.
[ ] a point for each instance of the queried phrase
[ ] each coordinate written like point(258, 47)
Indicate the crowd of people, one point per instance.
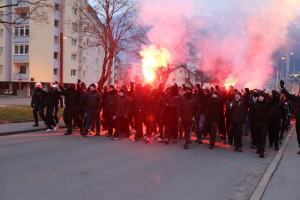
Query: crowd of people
point(171, 114)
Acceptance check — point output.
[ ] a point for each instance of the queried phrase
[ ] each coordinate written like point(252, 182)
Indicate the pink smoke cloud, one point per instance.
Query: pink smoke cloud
point(234, 39)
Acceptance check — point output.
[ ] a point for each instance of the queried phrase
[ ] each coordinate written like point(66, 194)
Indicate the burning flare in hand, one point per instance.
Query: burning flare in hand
point(153, 58)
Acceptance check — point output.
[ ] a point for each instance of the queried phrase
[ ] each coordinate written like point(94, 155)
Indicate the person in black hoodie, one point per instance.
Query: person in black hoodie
point(276, 115)
point(295, 99)
point(109, 108)
point(214, 116)
point(122, 111)
point(188, 109)
point(260, 116)
point(51, 102)
point(170, 111)
point(93, 109)
point(71, 100)
point(37, 103)
point(238, 108)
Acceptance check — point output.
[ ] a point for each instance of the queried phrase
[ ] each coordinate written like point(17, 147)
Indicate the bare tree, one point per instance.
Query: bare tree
point(112, 25)
point(18, 11)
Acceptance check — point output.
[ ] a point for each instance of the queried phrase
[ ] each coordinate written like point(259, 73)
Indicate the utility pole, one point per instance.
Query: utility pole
point(61, 43)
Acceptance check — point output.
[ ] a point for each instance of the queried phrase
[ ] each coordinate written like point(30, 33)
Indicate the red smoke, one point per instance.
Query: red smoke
point(234, 39)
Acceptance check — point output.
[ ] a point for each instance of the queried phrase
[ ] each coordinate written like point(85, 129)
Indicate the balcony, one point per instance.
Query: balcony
point(22, 21)
point(17, 77)
point(21, 58)
point(21, 39)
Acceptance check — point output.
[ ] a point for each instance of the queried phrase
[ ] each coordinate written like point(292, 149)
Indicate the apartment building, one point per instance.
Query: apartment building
point(46, 52)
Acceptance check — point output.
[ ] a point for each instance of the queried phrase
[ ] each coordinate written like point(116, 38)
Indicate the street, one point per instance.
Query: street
point(44, 165)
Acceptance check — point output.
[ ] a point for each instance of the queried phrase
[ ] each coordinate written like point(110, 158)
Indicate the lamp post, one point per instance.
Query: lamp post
point(61, 44)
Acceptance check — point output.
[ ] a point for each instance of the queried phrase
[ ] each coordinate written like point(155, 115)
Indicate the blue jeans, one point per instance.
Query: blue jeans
point(202, 125)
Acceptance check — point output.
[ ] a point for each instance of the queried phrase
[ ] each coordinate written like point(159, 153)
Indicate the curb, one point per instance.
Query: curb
point(263, 184)
point(25, 131)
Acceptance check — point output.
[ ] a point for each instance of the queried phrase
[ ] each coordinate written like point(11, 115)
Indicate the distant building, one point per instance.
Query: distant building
point(47, 52)
point(180, 76)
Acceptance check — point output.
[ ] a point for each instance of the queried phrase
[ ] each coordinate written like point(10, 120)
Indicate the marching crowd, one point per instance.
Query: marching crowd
point(172, 113)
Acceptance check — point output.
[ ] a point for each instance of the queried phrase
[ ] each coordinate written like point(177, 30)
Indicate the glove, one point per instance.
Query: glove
point(282, 84)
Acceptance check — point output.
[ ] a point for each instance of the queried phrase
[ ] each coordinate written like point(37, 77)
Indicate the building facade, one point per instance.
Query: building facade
point(57, 50)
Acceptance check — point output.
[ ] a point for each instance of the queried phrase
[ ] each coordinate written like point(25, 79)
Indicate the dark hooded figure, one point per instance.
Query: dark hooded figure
point(214, 115)
point(139, 108)
point(170, 110)
point(260, 115)
point(238, 109)
point(188, 109)
point(110, 109)
point(276, 115)
point(295, 99)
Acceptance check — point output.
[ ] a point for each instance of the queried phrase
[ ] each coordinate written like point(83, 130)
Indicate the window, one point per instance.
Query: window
point(22, 70)
point(73, 57)
point(74, 11)
point(74, 42)
point(22, 49)
point(55, 72)
point(56, 55)
point(23, 15)
point(1, 69)
point(56, 23)
point(74, 26)
point(56, 40)
point(56, 6)
point(1, 15)
point(73, 72)
point(21, 31)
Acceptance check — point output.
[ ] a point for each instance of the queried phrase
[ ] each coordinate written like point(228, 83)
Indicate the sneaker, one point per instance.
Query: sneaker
point(166, 141)
point(54, 128)
point(159, 139)
point(68, 133)
point(185, 146)
point(253, 146)
point(147, 140)
point(262, 155)
point(240, 149)
point(114, 138)
point(34, 125)
point(211, 146)
point(49, 130)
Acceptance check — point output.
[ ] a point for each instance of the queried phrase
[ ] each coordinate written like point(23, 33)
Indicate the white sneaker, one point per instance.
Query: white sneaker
point(48, 130)
point(54, 128)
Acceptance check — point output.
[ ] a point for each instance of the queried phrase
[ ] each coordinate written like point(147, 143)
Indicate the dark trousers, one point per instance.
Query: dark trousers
point(50, 116)
point(213, 132)
point(187, 127)
point(274, 130)
point(38, 109)
point(68, 117)
point(229, 134)
point(139, 119)
point(122, 126)
point(298, 130)
point(110, 123)
point(201, 125)
point(172, 126)
point(261, 131)
point(254, 136)
point(92, 117)
point(236, 130)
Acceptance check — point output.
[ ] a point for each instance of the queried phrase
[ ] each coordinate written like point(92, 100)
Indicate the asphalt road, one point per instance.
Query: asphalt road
point(13, 100)
point(46, 166)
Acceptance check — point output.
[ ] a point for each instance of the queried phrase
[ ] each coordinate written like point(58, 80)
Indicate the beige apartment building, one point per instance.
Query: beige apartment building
point(46, 52)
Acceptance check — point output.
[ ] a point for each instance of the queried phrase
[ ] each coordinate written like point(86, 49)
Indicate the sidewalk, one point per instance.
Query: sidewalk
point(281, 180)
point(23, 127)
